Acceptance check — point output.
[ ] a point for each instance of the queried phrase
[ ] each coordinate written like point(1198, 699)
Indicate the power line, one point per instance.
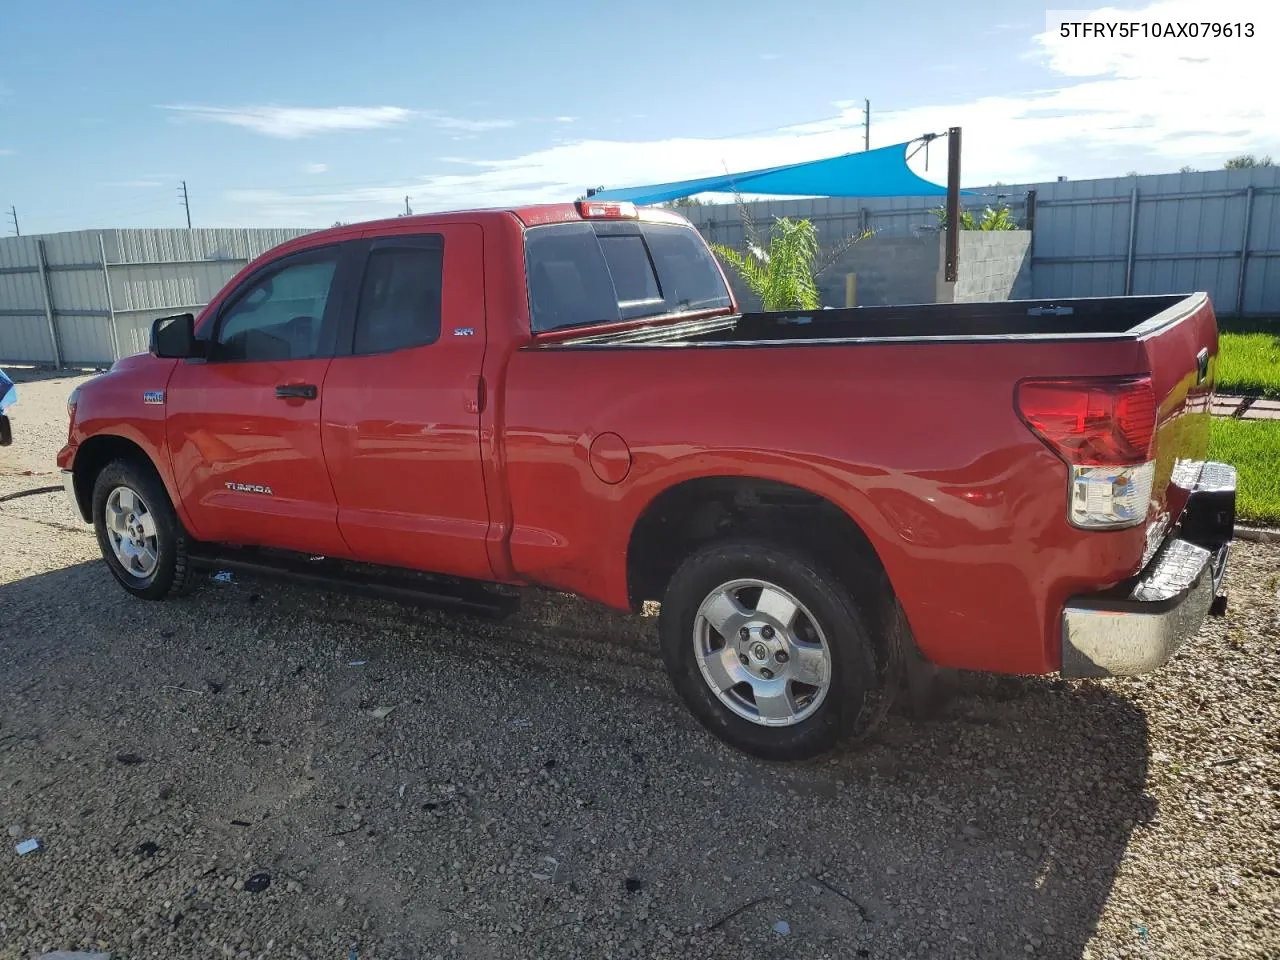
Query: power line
point(13, 215)
point(186, 203)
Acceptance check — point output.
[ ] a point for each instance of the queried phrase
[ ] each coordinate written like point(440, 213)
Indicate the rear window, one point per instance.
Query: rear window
point(585, 273)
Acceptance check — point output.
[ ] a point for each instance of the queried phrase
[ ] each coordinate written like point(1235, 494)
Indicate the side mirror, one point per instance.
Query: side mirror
point(175, 337)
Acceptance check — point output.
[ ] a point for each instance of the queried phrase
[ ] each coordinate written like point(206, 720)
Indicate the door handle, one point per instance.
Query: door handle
point(299, 391)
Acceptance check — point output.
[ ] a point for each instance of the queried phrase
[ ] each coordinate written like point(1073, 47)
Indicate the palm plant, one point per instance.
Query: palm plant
point(784, 272)
point(781, 275)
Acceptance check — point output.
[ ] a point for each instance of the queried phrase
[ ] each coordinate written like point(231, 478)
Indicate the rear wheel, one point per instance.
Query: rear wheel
point(141, 538)
point(771, 651)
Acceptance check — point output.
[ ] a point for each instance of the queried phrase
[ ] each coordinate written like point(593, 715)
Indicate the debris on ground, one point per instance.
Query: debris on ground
point(257, 883)
point(379, 713)
point(27, 846)
point(147, 849)
point(550, 871)
point(223, 576)
point(782, 928)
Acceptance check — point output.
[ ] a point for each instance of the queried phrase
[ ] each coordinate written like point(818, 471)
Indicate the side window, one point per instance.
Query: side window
point(278, 316)
point(400, 298)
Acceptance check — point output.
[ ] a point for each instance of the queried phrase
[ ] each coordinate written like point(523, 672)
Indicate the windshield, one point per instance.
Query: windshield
point(586, 273)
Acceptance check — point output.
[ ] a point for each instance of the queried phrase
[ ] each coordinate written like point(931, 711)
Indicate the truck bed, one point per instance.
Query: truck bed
point(1082, 318)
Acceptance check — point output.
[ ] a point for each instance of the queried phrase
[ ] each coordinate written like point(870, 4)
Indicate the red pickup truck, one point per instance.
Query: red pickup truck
point(568, 396)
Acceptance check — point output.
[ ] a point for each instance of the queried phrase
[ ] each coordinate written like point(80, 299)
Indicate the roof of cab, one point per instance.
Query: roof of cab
point(529, 216)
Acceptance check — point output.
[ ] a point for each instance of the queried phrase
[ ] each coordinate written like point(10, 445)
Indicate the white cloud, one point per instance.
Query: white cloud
point(1112, 106)
point(140, 184)
point(315, 168)
point(292, 123)
point(446, 122)
point(566, 119)
point(7, 151)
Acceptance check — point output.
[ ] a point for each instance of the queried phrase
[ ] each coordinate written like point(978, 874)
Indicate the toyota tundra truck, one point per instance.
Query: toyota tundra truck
point(567, 396)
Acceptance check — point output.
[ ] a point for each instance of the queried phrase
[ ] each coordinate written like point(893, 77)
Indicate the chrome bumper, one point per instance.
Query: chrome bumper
point(1108, 635)
point(69, 487)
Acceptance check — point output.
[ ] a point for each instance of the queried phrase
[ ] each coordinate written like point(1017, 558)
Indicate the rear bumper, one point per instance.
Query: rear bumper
point(1137, 631)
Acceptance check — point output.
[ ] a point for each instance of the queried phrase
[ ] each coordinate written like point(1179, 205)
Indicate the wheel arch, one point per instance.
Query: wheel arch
point(692, 512)
point(98, 451)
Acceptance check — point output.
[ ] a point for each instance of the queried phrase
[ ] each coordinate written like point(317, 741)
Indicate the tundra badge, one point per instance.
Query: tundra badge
point(153, 397)
point(249, 488)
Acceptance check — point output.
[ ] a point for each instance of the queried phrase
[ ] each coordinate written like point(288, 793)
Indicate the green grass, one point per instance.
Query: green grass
point(1249, 363)
point(1253, 448)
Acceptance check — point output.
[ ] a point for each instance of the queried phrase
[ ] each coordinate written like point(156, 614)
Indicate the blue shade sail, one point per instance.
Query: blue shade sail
point(882, 172)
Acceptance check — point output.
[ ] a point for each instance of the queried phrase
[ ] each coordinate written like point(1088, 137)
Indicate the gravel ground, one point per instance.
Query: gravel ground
point(537, 791)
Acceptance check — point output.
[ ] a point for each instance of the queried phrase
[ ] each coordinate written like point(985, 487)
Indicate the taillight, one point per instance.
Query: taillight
point(607, 210)
point(1092, 422)
point(1105, 431)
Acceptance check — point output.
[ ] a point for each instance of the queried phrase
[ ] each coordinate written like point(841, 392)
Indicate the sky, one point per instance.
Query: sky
point(302, 114)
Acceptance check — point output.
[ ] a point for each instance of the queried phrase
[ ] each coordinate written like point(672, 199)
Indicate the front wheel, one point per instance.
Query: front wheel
point(770, 650)
point(139, 533)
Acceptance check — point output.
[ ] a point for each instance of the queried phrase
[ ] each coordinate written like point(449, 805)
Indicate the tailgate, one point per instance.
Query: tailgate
point(1182, 354)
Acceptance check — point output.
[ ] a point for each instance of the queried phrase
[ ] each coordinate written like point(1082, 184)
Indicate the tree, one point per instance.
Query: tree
point(1132, 173)
point(993, 218)
point(997, 219)
point(679, 202)
point(1188, 170)
point(1247, 161)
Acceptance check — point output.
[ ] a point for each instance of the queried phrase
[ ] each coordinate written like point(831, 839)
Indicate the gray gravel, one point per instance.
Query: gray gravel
point(537, 791)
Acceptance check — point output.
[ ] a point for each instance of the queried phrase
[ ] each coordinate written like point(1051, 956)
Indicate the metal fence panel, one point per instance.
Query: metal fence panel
point(106, 286)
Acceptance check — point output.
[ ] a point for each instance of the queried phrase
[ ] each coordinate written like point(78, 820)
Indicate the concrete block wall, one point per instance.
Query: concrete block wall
point(994, 265)
point(909, 269)
point(888, 270)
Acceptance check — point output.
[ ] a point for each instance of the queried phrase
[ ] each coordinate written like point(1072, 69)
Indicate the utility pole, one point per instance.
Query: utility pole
point(866, 125)
point(407, 211)
point(13, 215)
point(186, 204)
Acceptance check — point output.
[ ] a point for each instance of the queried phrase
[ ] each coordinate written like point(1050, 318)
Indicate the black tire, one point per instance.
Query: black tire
point(863, 667)
point(172, 573)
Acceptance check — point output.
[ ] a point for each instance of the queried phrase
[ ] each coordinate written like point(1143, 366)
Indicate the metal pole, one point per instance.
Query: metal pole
point(48, 303)
point(951, 266)
point(1244, 251)
point(186, 203)
point(1133, 235)
point(111, 310)
point(1031, 222)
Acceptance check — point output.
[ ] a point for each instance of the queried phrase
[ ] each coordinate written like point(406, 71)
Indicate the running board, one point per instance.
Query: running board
point(387, 583)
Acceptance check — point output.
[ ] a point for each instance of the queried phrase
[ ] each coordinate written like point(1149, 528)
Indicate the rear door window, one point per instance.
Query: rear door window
point(588, 273)
point(400, 296)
